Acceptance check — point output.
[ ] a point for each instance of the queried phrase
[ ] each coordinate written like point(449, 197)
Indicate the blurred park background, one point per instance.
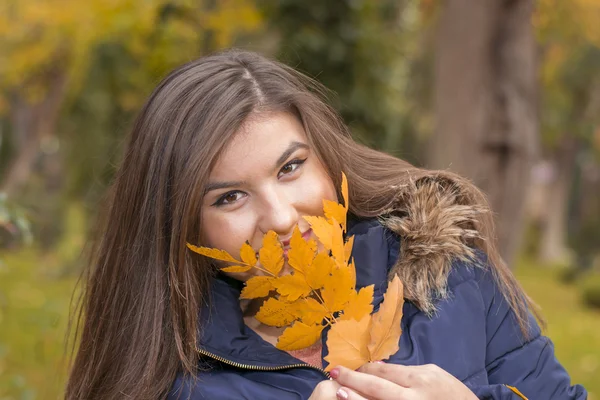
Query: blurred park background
point(506, 92)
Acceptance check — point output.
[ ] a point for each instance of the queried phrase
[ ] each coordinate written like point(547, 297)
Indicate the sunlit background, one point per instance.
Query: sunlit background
point(504, 92)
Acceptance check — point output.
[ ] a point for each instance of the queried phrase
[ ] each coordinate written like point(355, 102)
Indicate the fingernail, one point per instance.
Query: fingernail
point(342, 394)
point(334, 373)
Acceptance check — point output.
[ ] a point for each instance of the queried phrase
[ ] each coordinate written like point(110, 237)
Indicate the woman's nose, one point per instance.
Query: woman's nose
point(280, 215)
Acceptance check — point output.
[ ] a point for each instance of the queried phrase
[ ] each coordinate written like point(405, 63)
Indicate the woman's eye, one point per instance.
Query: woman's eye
point(228, 198)
point(290, 167)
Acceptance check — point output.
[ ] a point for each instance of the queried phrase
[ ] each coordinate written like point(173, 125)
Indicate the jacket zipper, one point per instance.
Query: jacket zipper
point(260, 367)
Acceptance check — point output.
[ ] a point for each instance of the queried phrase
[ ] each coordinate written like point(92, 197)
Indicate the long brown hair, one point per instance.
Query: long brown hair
point(137, 319)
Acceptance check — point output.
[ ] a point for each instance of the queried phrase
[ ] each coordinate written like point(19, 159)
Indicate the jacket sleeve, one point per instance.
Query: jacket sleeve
point(519, 366)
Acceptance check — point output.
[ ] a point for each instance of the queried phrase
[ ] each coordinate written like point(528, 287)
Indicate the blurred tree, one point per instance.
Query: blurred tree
point(365, 52)
point(50, 44)
point(485, 102)
point(78, 72)
point(569, 34)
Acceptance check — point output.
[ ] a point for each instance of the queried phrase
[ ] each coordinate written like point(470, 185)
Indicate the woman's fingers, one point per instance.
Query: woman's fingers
point(402, 375)
point(369, 386)
point(345, 393)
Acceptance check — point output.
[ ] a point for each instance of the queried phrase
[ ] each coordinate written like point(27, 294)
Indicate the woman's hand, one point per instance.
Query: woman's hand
point(325, 390)
point(380, 381)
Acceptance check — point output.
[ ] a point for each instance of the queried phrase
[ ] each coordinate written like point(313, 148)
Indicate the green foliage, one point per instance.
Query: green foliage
point(590, 291)
point(366, 53)
point(14, 224)
point(572, 327)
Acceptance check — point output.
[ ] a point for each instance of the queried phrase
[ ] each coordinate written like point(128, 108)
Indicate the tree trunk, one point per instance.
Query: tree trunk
point(553, 243)
point(30, 123)
point(486, 105)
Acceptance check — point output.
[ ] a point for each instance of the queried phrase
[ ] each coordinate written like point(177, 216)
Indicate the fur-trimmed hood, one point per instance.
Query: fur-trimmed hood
point(435, 227)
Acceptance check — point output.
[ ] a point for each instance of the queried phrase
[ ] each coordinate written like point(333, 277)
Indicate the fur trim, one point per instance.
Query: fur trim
point(435, 227)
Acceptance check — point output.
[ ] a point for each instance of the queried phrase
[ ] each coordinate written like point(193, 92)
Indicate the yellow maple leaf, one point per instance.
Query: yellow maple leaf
point(309, 311)
point(258, 286)
point(359, 305)
point(335, 212)
point(338, 289)
point(385, 326)
point(248, 255)
point(302, 252)
point(345, 191)
point(319, 271)
point(293, 286)
point(322, 229)
point(299, 336)
point(276, 313)
point(348, 249)
point(337, 244)
point(271, 253)
point(217, 254)
point(237, 268)
point(347, 343)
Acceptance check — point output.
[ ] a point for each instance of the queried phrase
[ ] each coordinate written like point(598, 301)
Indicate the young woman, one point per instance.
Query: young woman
point(233, 145)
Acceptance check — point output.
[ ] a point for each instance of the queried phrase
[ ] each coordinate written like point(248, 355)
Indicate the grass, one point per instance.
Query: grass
point(34, 303)
point(574, 329)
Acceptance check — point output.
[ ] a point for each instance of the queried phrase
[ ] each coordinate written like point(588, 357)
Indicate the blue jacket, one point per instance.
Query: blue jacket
point(474, 336)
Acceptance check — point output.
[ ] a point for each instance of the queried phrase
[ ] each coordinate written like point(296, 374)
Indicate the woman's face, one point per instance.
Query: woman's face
point(267, 178)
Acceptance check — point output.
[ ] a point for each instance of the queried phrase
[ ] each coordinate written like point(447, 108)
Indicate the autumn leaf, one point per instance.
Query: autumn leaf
point(318, 273)
point(345, 191)
point(339, 289)
point(302, 252)
point(248, 255)
point(299, 336)
point(359, 305)
point(276, 313)
point(271, 254)
point(337, 244)
point(385, 327)
point(335, 212)
point(237, 268)
point(217, 254)
point(293, 286)
point(258, 286)
point(347, 343)
point(322, 229)
point(348, 249)
point(309, 310)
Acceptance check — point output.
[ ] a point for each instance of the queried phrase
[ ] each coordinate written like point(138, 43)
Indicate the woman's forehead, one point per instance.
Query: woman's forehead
point(260, 143)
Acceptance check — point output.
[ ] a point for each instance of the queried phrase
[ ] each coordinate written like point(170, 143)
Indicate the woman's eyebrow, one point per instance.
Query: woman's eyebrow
point(289, 151)
point(284, 156)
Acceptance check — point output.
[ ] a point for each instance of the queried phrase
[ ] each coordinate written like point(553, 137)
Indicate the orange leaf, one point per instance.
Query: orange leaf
point(347, 343)
point(248, 254)
point(299, 336)
point(293, 286)
point(385, 327)
point(348, 249)
point(237, 268)
point(335, 212)
point(275, 313)
point(359, 305)
point(271, 253)
point(217, 254)
point(259, 286)
point(301, 253)
point(322, 229)
point(318, 273)
point(339, 289)
point(309, 311)
point(337, 244)
point(345, 191)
